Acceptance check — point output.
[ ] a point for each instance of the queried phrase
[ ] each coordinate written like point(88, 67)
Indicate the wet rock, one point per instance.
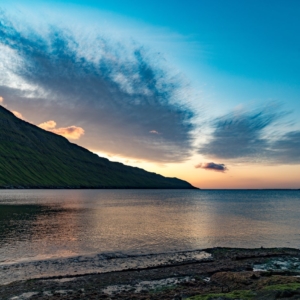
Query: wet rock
point(226, 272)
point(254, 276)
point(285, 294)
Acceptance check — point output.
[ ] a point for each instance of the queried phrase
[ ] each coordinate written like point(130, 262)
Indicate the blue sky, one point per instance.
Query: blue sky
point(186, 83)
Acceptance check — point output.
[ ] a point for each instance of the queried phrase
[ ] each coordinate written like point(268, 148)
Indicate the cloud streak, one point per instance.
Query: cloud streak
point(239, 134)
point(245, 136)
point(211, 166)
point(153, 132)
point(71, 132)
point(18, 115)
point(287, 148)
point(117, 92)
point(48, 125)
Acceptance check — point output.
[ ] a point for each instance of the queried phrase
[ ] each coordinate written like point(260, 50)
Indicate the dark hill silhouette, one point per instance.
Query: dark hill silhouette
point(31, 157)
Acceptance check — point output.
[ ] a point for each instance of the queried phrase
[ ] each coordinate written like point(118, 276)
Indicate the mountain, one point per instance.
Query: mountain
point(31, 157)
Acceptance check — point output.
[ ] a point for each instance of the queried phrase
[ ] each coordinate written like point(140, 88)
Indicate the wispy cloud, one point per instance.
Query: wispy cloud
point(48, 125)
point(239, 134)
point(117, 92)
point(212, 167)
point(71, 132)
point(287, 148)
point(153, 132)
point(18, 115)
point(244, 136)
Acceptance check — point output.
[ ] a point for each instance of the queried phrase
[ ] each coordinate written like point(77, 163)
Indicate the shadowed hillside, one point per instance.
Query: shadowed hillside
point(31, 157)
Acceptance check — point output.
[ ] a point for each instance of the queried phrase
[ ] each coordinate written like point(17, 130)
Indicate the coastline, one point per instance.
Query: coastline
point(262, 273)
point(93, 188)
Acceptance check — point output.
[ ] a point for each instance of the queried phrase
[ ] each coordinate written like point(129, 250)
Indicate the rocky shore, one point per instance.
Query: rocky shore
point(229, 273)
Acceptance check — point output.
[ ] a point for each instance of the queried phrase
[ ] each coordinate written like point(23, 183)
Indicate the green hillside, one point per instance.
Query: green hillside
point(31, 157)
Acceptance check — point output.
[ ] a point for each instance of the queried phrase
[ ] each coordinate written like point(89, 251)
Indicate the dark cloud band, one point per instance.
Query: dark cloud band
point(118, 95)
point(212, 166)
point(244, 136)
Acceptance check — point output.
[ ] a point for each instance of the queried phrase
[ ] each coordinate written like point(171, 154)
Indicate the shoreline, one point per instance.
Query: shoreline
point(93, 188)
point(138, 188)
point(225, 271)
point(91, 264)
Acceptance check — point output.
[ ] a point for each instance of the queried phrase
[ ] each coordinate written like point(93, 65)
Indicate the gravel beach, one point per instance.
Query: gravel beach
point(226, 273)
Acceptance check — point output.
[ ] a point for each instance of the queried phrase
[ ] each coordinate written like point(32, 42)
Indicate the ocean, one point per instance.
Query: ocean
point(57, 232)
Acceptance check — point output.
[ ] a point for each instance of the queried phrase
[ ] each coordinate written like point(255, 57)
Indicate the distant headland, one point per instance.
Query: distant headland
point(33, 158)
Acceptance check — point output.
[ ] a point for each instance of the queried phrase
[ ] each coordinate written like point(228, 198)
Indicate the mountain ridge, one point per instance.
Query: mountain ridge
point(31, 157)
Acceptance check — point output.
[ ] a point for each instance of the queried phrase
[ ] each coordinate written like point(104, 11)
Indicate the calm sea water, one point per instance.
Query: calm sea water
point(42, 224)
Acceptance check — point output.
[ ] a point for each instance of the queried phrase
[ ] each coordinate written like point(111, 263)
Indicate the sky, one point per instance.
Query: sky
point(206, 91)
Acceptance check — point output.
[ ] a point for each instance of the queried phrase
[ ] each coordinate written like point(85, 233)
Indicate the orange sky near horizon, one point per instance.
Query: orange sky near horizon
point(238, 176)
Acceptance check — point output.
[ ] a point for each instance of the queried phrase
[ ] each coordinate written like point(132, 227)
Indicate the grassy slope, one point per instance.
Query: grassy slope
point(32, 157)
